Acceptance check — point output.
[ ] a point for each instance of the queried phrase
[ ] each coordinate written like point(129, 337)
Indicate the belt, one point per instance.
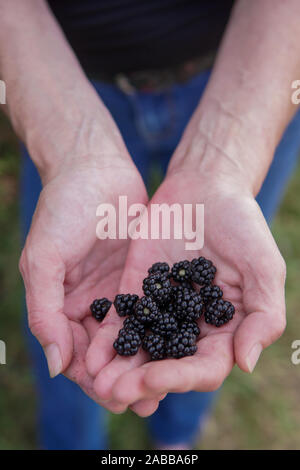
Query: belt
point(156, 80)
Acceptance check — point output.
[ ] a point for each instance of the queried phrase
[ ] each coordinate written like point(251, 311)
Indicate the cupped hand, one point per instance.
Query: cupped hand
point(65, 266)
point(251, 273)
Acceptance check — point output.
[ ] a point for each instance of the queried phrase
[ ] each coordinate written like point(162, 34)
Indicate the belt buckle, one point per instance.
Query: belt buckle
point(158, 80)
point(143, 81)
point(123, 82)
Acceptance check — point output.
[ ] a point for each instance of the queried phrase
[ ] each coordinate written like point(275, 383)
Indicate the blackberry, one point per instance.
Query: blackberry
point(210, 293)
point(133, 324)
point(180, 288)
point(187, 285)
point(219, 312)
point(188, 305)
point(158, 286)
point(181, 344)
point(155, 346)
point(170, 309)
point(162, 268)
point(124, 304)
point(203, 271)
point(146, 310)
point(127, 342)
point(181, 271)
point(100, 307)
point(164, 325)
point(191, 327)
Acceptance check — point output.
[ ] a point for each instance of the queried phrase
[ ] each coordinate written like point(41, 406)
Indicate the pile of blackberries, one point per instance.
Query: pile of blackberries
point(164, 321)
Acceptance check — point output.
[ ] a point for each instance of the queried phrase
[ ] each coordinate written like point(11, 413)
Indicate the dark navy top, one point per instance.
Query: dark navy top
point(113, 36)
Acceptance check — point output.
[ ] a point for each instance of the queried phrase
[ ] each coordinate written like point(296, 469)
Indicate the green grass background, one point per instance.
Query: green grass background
point(258, 411)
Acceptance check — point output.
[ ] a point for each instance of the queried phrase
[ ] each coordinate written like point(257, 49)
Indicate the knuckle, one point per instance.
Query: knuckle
point(32, 259)
point(35, 323)
point(22, 263)
point(279, 327)
point(267, 267)
point(279, 267)
point(282, 268)
point(28, 260)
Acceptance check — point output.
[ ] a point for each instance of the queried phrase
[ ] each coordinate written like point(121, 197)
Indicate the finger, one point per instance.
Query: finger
point(130, 387)
point(43, 274)
point(145, 408)
point(256, 332)
point(203, 372)
point(106, 378)
point(101, 351)
point(114, 407)
point(77, 370)
point(266, 300)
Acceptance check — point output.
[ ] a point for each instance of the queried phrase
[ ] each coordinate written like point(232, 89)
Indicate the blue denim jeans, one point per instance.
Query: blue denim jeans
point(151, 125)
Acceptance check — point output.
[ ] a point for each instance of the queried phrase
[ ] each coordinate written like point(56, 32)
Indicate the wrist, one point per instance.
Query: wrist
point(72, 136)
point(219, 146)
point(58, 130)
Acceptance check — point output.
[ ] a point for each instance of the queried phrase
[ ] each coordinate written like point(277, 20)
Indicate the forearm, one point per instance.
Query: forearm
point(247, 103)
point(52, 106)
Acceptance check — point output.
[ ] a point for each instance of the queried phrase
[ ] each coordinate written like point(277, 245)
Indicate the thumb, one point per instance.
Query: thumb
point(266, 319)
point(43, 274)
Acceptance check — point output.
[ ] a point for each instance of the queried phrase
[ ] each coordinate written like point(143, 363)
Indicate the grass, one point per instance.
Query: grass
point(254, 412)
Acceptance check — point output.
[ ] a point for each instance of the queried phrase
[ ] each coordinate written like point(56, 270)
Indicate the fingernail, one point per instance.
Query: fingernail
point(253, 356)
point(54, 359)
